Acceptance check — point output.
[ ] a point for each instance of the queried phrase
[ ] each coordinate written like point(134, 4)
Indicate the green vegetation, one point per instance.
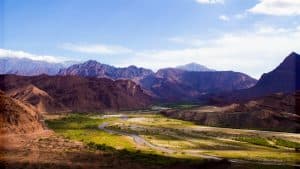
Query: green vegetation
point(85, 128)
point(286, 143)
point(183, 105)
point(254, 140)
point(170, 140)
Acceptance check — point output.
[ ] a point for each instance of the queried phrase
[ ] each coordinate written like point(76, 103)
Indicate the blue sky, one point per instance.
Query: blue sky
point(251, 36)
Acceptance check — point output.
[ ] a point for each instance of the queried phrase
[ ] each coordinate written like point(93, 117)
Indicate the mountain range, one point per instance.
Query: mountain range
point(170, 84)
point(271, 104)
point(93, 68)
point(28, 67)
point(191, 82)
point(54, 94)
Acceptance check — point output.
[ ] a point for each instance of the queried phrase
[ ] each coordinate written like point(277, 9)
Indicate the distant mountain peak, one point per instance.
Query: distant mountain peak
point(195, 67)
point(91, 62)
point(294, 54)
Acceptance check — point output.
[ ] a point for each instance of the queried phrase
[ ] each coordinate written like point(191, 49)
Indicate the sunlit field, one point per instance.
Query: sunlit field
point(149, 134)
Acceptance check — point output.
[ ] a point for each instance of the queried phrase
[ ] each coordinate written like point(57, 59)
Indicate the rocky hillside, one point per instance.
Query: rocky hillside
point(93, 68)
point(274, 112)
point(178, 85)
point(75, 93)
point(38, 98)
point(16, 117)
point(169, 84)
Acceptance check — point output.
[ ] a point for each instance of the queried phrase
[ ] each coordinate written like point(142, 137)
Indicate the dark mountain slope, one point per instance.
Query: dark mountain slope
point(178, 85)
point(274, 112)
point(83, 94)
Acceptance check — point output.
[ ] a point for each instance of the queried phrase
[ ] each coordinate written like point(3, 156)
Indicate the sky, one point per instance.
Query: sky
point(250, 36)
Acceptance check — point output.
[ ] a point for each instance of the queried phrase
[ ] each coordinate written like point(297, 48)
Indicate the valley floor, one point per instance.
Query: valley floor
point(146, 140)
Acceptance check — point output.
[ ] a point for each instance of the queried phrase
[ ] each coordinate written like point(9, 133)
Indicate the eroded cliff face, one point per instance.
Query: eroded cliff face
point(274, 112)
point(16, 117)
point(73, 93)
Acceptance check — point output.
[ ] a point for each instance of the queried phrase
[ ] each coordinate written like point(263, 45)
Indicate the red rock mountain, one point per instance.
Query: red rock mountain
point(38, 98)
point(172, 84)
point(17, 117)
point(178, 85)
point(62, 93)
point(274, 112)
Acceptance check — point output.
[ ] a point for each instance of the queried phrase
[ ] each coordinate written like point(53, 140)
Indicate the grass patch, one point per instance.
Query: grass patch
point(286, 143)
point(254, 140)
point(84, 128)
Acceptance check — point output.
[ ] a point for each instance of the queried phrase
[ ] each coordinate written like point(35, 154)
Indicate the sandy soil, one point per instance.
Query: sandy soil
point(47, 150)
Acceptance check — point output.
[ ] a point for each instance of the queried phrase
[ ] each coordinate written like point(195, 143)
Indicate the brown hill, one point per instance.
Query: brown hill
point(77, 93)
point(16, 117)
point(37, 98)
point(273, 112)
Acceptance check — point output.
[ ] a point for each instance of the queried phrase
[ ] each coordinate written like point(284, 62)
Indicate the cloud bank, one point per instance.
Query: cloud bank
point(277, 7)
point(22, 54)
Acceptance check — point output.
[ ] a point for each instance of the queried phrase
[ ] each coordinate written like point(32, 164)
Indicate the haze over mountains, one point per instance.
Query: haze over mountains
point(28, 67)
point(195, 67)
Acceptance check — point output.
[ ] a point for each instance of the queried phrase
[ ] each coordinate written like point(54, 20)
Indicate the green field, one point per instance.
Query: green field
point(150, 137)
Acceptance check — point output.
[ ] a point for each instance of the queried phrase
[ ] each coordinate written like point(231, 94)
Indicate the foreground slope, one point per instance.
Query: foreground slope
point(38, 98)
point(80, 94)
point(16, 117)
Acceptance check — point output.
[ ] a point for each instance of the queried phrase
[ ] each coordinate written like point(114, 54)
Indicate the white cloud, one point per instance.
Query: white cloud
point(224, 18)
point(187, 41)
point(272, 30)
point(22, 54)
point(250, 52)
point(96, 48)
point(210, 1)
point(277, 7)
